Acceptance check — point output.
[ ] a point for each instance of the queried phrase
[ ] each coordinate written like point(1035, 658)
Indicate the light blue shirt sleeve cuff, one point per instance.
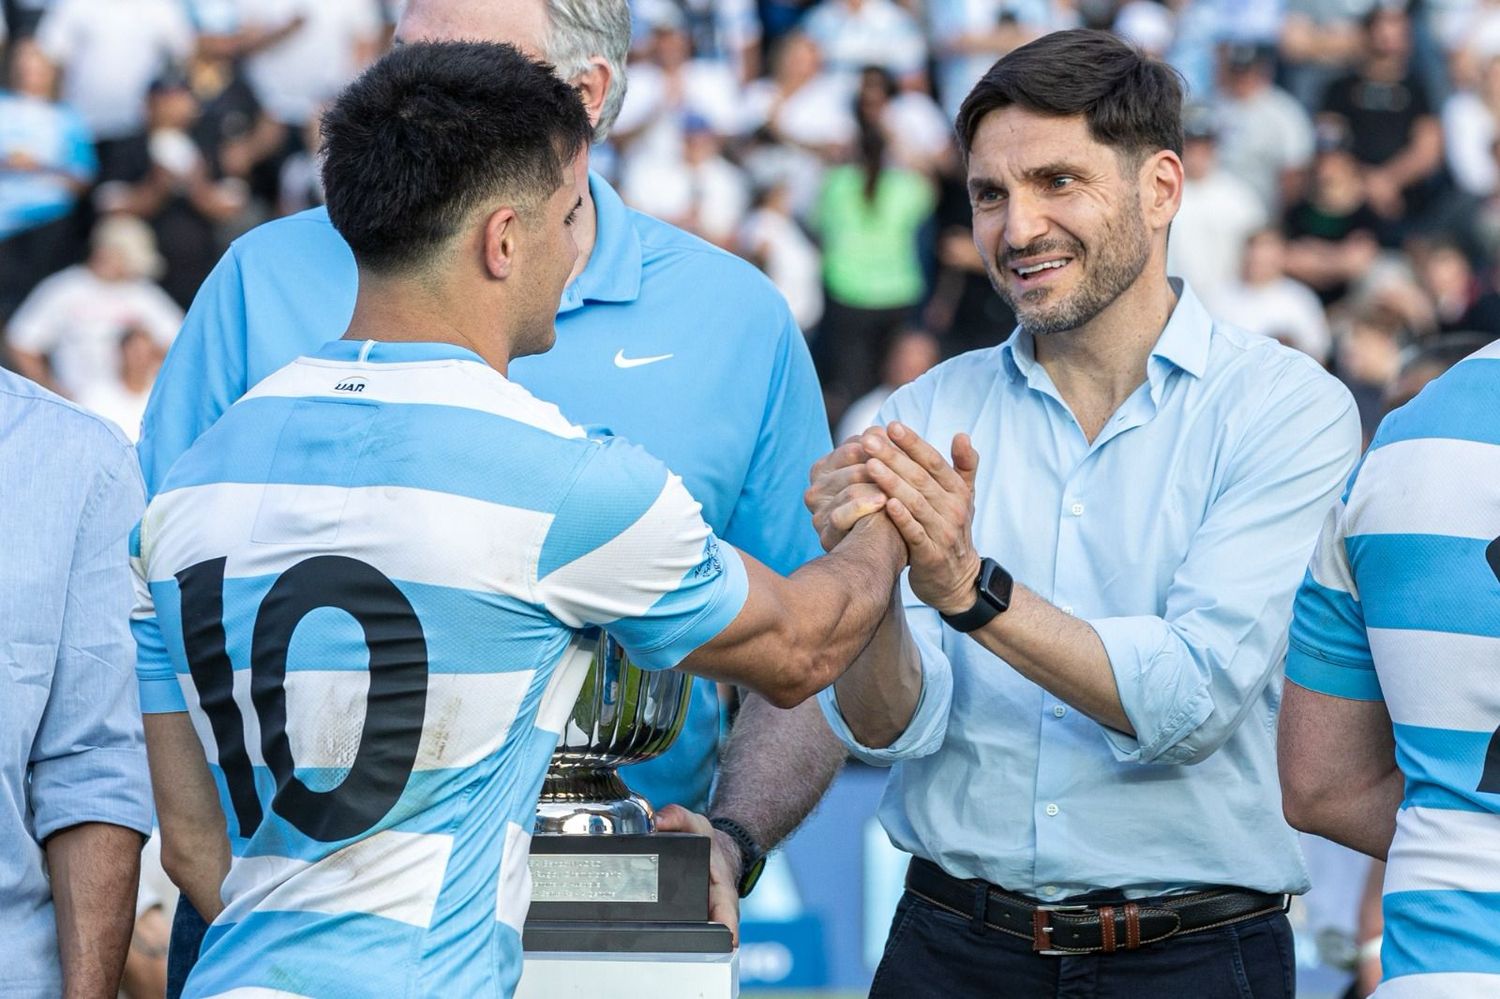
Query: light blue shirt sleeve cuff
point(720, 611)
point(101, 784)
point(161, 695)
point(1306, 668)
point(1161, 690)
point(929, 722)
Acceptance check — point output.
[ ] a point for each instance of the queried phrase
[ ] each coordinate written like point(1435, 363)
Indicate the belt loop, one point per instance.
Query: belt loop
point(981, 905)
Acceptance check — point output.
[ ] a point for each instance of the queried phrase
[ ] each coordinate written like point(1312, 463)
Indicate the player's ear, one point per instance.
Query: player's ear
point(501, 233)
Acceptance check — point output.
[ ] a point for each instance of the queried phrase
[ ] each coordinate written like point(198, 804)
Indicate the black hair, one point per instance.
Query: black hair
point(434, 129)
point(1130, 101)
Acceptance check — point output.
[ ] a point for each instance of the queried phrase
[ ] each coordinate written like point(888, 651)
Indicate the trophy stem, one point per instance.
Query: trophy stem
point(572, 785)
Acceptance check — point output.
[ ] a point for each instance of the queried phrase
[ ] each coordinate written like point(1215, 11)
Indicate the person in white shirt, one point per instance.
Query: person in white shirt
point(1219, 212)
point(331, 42)
point(670, 85)
point(1470, 118)
point(701, 191)
point(1268, 302)
point(773, 240)
point(858, 33)
point(110, 51)
point(1265, 137)
point(66, 334)
point(122, 401)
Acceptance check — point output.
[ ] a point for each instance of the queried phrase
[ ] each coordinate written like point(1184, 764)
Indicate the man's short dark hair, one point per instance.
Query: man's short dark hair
point(432, 131)
point(1130, 101)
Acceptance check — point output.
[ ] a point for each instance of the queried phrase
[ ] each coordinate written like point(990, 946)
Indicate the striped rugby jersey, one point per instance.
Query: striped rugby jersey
point(364, 584)
point(1402, 603)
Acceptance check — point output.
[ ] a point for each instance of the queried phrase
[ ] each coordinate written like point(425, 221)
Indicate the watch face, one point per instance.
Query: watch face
point(995, 584)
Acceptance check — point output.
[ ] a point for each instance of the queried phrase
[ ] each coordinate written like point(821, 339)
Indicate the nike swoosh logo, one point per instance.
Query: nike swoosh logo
point(621, 361)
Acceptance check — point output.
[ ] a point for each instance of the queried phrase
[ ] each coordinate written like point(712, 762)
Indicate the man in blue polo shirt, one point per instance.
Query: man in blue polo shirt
point(683, 349)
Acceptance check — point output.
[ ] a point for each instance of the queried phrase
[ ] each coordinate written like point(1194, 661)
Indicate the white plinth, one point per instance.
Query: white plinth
point(573, 975)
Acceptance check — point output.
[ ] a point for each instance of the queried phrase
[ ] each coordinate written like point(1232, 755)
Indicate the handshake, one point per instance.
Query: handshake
point(893, 475)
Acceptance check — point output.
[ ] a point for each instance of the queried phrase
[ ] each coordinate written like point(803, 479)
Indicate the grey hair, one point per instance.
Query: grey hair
point(579, 30)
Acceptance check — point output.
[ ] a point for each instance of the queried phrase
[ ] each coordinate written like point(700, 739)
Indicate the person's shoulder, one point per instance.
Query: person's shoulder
point(61, 423)
point(696, 269)
point(1266, 369)
point(1456, 404)
point(277, 234)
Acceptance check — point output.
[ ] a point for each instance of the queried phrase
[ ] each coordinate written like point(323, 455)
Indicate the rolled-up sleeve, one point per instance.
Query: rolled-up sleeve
point(929, 723)
point(1186, 678)
point(88, 761)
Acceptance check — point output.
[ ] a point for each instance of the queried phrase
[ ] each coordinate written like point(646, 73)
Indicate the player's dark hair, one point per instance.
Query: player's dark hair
point(1130, 101)
point(432, 131)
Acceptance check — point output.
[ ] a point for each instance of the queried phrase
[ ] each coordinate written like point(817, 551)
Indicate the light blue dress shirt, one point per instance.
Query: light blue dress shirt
point(663, 339)
point(71, 749)
point(1180, 535)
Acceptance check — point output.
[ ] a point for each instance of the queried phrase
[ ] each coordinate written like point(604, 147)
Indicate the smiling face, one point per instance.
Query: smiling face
point(1058, 217)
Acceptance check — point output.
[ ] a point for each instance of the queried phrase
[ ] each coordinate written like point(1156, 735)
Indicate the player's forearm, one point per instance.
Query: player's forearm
point(878, 695)
point(1059, 653)
point(837, 601)
point(775, 768)
point(194, 837)
point(95, 868)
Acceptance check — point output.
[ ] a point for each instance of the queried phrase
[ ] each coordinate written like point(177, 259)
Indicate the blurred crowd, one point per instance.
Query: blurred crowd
point(1343, 192)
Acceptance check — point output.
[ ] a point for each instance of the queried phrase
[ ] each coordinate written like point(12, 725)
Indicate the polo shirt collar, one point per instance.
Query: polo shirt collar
point(613, 273)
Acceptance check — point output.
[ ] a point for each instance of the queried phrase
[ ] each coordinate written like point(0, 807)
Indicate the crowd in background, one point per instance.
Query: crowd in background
point(1342, 162)
point(1343, 186)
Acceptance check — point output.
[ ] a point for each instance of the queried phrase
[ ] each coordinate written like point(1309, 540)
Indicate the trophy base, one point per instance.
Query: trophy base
point(626, 917)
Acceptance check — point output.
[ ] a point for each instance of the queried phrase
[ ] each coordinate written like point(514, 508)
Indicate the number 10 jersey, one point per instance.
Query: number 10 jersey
point(363, 585)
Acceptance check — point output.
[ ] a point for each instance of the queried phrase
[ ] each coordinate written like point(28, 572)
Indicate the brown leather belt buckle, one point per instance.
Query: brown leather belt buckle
point(1041, 928)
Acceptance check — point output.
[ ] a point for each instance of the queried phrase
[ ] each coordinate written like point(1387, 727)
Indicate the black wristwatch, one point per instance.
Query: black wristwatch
point(752, 857)
point(992, 590)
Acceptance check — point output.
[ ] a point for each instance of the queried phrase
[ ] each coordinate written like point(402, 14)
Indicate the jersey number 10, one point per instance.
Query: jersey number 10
point(394, 710)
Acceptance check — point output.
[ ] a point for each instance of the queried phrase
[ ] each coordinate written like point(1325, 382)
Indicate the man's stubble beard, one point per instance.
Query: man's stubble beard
point(1124, 248)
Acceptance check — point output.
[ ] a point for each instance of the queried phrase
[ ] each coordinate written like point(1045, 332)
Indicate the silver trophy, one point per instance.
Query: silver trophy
point(623, 715)
point(602, 878)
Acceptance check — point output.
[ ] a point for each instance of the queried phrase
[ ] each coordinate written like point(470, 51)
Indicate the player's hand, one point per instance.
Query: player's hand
point(841, 492)
point(724, 863)
point(932, 504)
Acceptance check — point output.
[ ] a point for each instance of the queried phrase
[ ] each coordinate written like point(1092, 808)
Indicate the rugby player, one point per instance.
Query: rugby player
point(359, 589)
point(1390, 727)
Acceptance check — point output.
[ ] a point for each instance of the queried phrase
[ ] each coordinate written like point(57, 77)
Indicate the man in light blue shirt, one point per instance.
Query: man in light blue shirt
point(1135, 488)
point(75, 801)
point(661, 338)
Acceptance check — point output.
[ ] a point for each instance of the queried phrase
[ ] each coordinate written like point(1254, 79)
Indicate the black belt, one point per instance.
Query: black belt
point(1093, 928)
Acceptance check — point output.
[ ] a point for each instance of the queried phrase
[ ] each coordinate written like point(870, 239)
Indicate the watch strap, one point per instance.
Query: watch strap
point(752, 857)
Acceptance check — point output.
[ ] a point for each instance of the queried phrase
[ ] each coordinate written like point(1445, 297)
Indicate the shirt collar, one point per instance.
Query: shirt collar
point(393, 352)
point(613, 273)
point(1183, 344)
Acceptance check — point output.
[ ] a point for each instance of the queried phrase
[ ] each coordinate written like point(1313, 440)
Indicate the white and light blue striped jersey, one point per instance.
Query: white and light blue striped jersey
point(364, 585)
point(1402, 603)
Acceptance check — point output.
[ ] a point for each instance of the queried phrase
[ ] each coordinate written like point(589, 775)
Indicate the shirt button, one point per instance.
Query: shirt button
point(1052, 809)
point(1076, 509)
point(1049, 889)
point(1058, 711)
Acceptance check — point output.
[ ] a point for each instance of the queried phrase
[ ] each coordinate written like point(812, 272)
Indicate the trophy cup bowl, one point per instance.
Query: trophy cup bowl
point(624, 714)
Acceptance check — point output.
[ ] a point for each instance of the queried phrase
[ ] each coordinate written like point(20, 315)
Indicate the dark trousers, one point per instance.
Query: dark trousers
point(934, 952)
point(188, 930)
